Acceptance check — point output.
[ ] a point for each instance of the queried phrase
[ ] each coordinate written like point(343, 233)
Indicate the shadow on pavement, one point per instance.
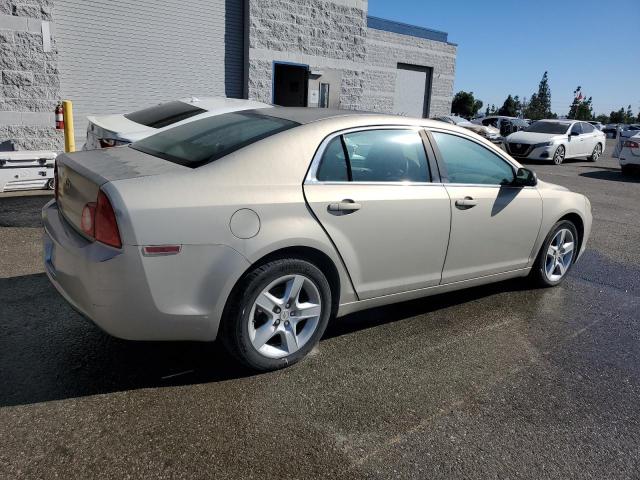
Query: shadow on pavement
point(23, 211)
point(49, 352)
point(612, 175)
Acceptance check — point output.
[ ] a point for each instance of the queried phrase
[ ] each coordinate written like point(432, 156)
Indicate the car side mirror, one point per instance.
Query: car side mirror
point(525, 178)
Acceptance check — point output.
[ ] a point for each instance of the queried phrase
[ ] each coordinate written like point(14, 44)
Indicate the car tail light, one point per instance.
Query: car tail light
point(631, 144)
point(106, 226)
point(98, 221)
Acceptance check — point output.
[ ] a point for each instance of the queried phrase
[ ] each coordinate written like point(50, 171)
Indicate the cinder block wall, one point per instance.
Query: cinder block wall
point(386, 49)
point(30, 84)
point(321, 34)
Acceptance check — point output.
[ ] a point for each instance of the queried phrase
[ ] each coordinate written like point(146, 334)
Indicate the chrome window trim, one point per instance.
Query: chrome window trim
point(311, 178)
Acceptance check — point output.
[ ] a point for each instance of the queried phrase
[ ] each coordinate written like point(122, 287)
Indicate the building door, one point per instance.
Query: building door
point(290, 85)
point(413, 91)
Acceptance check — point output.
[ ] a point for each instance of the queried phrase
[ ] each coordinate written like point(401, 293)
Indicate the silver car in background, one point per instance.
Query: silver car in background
point(257, 227)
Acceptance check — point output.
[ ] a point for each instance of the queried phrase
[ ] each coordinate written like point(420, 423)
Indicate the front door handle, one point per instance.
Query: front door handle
point(345, 206)
point(466, 203)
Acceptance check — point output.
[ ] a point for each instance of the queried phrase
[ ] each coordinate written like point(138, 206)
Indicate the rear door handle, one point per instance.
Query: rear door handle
point(466, 203)
point(346, 206)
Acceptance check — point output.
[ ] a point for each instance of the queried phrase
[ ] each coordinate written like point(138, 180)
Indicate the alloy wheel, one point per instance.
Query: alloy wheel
point(559, 255)
point(596, 153)
point(284, 316)
point(558, 156)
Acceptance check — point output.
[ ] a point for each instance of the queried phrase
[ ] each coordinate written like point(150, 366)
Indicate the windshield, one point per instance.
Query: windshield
point(204, 141)
point(164, 114)
point(555, 128)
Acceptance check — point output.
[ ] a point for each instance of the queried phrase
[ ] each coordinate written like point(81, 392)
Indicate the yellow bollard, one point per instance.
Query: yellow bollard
point(69, 137)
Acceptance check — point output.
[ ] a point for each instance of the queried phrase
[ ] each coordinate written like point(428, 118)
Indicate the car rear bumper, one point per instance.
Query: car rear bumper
point(628, 158)
point(135, 297)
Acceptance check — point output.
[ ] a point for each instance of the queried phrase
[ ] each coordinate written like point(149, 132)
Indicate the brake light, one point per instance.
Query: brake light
point(106, 226)
point(631, 144)
point(98, 221)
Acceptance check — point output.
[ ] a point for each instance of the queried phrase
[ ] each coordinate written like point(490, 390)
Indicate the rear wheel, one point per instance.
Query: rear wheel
point(277, 314)
point(597, 151)
point(558, 156)
point(626, 169)
point(557, 254)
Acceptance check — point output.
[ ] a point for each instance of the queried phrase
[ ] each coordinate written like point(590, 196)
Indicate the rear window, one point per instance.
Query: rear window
point(164, 114)
point(197, 143)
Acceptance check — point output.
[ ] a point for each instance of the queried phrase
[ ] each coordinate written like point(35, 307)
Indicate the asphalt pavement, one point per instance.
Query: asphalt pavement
point(502, 381)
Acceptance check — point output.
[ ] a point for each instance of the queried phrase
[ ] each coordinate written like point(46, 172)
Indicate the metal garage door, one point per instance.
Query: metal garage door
point(120, 55)
point(413, 91)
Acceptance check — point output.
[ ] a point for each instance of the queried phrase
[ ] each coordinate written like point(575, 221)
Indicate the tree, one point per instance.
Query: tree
point(629, 116)
point(540, 103)
point(510, 107)
point(465, 105)
point(604, 119)
point(617, 117)
point(581, 108)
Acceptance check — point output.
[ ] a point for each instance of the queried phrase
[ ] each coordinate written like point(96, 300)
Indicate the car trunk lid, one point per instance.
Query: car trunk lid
point(81, 174)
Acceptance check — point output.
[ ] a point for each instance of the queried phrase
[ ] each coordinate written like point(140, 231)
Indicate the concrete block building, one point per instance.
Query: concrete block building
point(117, 56)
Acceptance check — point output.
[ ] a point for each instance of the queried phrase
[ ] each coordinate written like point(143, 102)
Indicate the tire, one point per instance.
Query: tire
point(540, 273)
point(597, 151)
point(51, 184)
point(251, 315)
point(559, 154)
point(626, 169)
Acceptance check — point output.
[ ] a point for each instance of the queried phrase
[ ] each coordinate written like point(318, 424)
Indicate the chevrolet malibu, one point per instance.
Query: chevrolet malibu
point(257, 227)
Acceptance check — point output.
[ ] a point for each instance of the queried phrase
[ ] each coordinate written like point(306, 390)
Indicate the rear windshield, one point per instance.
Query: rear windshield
point(164, 114)
point(204, 141)
point(548, 127)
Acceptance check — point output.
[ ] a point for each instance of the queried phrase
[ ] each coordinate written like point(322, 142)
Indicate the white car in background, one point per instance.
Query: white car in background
point(106, 131)
point(630, 154)
point(490, 133)
point(556, 140)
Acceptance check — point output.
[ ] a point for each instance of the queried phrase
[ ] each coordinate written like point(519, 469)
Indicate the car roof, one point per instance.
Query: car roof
point(215, 103)
point(304, 115)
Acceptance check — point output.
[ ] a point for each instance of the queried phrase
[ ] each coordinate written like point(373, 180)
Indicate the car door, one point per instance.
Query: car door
point(494, 224)
point(589, 138)
point(371, 191)
point(575, 145)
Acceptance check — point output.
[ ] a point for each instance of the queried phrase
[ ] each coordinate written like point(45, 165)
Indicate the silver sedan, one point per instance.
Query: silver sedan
point(257, 227)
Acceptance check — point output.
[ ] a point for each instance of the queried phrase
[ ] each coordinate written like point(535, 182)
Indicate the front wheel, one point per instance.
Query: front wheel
point(558, 156)
point(277, 314)
point(597, 151)
point(557, 254)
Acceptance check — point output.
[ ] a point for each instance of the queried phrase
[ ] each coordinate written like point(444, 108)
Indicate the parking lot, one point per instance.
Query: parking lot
point(502, 381)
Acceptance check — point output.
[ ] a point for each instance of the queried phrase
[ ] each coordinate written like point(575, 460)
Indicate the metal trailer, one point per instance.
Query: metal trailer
point(26, 170)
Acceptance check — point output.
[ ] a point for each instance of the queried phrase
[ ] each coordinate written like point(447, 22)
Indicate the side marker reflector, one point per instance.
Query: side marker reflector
point(161, 249)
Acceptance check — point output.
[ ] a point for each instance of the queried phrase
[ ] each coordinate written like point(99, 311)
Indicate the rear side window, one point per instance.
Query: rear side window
point(197, 143)
point(164, 114)
point(469, 162)
point(393, 155)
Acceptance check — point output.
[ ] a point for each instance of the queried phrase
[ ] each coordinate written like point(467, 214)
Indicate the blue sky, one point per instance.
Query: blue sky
point(505, 46)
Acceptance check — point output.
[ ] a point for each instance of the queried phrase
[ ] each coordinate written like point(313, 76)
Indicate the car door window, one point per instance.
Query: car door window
point(391, 155)
point(469, 162)
point(576, 129)
point(587, 128)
